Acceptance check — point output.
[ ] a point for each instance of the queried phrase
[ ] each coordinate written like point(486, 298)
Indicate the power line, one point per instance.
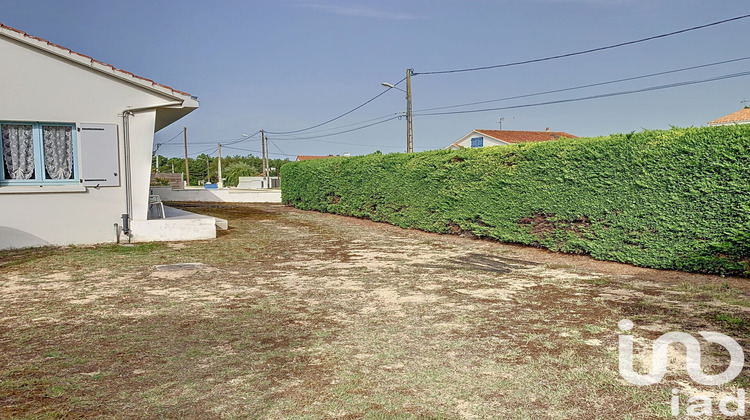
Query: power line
point(176, 135)
point(205, 151)
point(244, 138)
point(604, 95)
point(343, 132)
point(258, 151)
point(358, 144)
point(586, 86)
point(275, 145)
point(158, 145)
point(608, 47)
point(326, 130)
point(338, 117)
point(223, 142)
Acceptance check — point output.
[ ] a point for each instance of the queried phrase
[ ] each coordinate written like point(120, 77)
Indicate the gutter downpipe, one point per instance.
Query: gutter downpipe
point(126, 114)
point(128, 188)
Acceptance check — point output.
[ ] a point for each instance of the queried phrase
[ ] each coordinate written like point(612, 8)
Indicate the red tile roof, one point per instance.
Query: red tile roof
point(86, 60)
point(525, 136)
point(741, 116)
point(313, 157)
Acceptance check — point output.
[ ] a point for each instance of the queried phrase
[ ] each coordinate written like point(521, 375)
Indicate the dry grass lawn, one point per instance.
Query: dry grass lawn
point(297, 314)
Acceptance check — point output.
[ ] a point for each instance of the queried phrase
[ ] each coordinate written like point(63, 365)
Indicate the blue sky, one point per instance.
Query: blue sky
point(284, 65)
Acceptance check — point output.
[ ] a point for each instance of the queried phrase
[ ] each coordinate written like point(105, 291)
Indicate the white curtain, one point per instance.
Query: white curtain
point(18, 151)
point(58, 151)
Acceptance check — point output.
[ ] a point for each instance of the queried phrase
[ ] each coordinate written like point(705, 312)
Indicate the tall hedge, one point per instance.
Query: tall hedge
point(675, 199)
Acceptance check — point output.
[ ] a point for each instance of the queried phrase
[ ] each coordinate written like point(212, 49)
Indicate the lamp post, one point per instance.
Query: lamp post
point(409, 132)
point(157, 157)
point(207, 168)
point(220, 182)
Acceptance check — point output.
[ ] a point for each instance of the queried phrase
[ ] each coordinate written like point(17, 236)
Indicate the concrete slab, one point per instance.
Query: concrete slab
point(179, 225)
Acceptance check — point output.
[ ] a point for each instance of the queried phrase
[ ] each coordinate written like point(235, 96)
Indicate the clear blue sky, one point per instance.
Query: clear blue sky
point(283, 65)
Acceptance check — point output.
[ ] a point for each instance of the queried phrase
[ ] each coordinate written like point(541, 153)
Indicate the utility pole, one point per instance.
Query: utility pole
point(409, 132)
point(187, 170)
point(264, 152)
point(157, 157)
point(268, 171)
point(220, 182)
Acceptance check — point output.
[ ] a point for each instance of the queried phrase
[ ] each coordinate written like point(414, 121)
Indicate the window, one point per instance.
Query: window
point(477, 142)
point(38, 153)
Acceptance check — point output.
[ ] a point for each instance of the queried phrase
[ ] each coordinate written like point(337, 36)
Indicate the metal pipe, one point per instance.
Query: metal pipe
point(126, 225)
point(128, 189)
point(126, 114)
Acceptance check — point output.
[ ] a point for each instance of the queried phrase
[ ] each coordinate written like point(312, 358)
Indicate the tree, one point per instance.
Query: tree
point(234, 171)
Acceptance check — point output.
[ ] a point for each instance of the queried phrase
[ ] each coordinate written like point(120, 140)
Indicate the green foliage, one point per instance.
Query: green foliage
point(206, 168)
point(673, 199)
point(159, 181)
point(234, 171)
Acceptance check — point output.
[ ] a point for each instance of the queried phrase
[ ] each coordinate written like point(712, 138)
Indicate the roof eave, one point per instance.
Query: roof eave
point(96, 65)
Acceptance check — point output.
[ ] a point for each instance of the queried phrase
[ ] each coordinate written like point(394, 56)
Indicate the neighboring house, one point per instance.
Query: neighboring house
point(75, 154)
point(486, 138)
point(740, 117)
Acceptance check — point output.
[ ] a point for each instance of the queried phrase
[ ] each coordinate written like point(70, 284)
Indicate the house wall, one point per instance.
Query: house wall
point(488, 141)
point(39, 86)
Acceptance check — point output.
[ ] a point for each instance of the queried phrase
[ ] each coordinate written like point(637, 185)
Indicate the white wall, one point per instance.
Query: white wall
point(38, 86)
point(488, 141)
point(218, 195)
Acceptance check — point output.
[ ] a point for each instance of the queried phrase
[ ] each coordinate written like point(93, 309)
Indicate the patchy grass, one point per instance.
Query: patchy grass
point(306, 315)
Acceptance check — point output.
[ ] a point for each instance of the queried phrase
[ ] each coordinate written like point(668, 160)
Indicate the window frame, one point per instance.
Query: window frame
point(477, 142)
point(39, 167)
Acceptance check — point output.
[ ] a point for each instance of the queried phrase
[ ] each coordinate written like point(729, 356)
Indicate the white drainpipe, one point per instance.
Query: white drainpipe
point(130, 112)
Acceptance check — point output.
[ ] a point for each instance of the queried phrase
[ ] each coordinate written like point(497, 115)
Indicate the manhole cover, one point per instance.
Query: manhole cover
point(179, 267)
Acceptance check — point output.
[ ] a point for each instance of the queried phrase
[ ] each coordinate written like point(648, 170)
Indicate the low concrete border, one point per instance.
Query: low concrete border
point(228, 195)
point(179, 225)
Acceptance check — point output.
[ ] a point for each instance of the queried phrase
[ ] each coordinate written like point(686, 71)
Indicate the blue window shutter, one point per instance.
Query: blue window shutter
point(477, 142)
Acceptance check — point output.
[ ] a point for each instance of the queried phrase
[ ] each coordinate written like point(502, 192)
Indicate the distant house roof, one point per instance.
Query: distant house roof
point(515, 137)
point(97, 65)
point(525, 136)
point(740, 117)
point(302, 157)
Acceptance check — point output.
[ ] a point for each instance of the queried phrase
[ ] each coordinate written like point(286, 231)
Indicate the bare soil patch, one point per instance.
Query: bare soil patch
point(293, 314)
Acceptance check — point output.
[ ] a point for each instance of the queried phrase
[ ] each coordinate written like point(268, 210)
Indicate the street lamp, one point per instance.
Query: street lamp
point(220, 182)
point(207, 167)
point(409, 132)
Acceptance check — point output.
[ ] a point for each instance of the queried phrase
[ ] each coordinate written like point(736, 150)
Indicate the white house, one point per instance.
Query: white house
point(75, 155)
point(740, 117)
point(486, 138)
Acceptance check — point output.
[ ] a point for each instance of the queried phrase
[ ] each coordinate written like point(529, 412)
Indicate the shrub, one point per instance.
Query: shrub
point(234, 171)
point(674, 199)
point(159, 182)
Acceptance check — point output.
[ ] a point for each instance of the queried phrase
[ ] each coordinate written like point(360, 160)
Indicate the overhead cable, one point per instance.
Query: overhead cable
point(608, 47)
point(604, 95)
point(585, 86)
point(343, 132)
point(338, 117)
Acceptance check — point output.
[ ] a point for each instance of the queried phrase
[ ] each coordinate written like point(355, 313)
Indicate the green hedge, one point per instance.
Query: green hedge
point(676, 199)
